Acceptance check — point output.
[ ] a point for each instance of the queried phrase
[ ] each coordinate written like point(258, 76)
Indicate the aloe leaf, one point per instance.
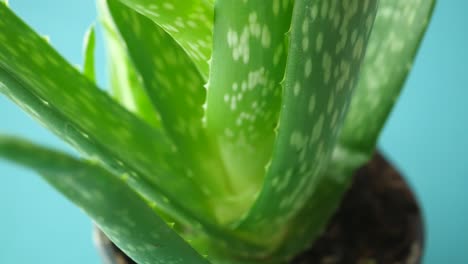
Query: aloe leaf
point(89, 46)
point(244, 90)
point(398, 31)
point(120, 212)
point(175, 87)
point(198, 218)
point(189, 22)
point(391, 49)
point(35, 77)
point(125, 82)
point(327, 43)
point(310, 221)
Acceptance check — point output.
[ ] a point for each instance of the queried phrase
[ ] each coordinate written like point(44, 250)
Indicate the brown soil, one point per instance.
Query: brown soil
point(379, 222)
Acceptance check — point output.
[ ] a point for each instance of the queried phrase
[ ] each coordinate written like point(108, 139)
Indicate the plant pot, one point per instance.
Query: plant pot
point(379, 221)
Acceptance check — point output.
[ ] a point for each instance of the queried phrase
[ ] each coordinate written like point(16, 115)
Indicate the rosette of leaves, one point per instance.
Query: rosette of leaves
point(233, 127)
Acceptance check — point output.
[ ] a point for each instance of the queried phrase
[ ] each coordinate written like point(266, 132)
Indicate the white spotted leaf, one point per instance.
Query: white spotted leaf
point(189, 22)
point(175, 87)
point(327, 44)
point(35, 77)
point(120, 212)
point(399, 28)
point(40, 81)
point(244, 90)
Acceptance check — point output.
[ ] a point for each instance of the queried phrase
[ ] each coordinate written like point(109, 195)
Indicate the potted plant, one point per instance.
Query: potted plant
point(234, 129)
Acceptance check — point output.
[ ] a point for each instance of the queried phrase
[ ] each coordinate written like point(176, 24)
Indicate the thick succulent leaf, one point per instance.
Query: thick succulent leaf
point(189, 22)
point(125, 82)
point(398, 31)
point(120, 212)
point(195, 214)
point(35, 77)
point(89, 46)
point(244, 91)
point(327, 43)
point(310, 221)
point(175, 87)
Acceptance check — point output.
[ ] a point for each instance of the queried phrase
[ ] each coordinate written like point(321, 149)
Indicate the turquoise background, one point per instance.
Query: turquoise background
point(425, 137)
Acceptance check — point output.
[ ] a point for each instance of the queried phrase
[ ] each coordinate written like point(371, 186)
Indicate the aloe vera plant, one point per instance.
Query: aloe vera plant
point(233, 128)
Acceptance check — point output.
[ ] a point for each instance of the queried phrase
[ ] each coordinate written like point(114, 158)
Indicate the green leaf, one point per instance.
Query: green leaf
point(192, 215)
point(120, 212)
point(392, 46)
point(310, 221)
point(175, 87)
point(244, 91)
point(124, 80)
point(327, 43)
point(35, 77)
point(189, 22)
point(397, 34)
point(89, 46)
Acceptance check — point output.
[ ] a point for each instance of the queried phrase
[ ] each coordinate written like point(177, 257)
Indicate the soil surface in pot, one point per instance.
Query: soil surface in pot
point(378, 222)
